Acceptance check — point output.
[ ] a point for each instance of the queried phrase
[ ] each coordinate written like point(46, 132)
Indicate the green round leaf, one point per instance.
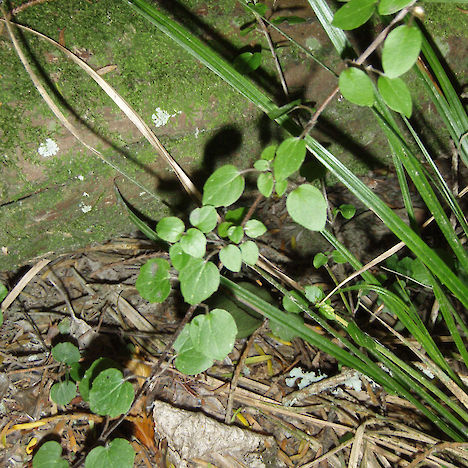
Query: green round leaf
point(339, 257)
point(387, 7)
point(153, 282)
point(183, 341)
point(260, 8)
point(247, 62)
point(265, 184)
point(292, 305)
point(254, 228)
point(48, 456)
point(94, 369)
point(63, 392)
point(269, 152)
point(223, 228)
point(194, 243)
point(170, 229)
point(178, 257)
point(396, 95)
point(235, 234)
point(110, 395)
point(307, 207)
point(246, 322)
point(320, 260)
point(189, 360)
point(347, 211)
point(192, 362)
point(353, 14)
point(213, 334)
point(313, 293)
point(237, 215)
point(328, 311)
point(401, 50)
point(231, 257)
point(261, 165)
point(204, 218)
point(280, 187)
point(64, 326)
point(223, 187)
point(283, 331)
point(249, 251)
point(66, 352)
point(76, 372)
point(3, 292)
point(357, 87)
point(289, 157)
point(198, 280)
point(119, 453)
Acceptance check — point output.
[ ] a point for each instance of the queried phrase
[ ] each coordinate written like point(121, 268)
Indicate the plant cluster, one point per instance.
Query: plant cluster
point(222, 236)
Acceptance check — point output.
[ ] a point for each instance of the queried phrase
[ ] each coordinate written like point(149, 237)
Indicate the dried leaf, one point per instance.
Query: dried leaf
point(107, 69)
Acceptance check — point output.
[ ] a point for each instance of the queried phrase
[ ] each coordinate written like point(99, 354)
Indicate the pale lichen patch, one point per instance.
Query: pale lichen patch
point(48, 148)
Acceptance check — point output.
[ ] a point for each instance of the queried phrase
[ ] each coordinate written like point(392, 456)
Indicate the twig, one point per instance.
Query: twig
point(15, 292)
point(239, 367)
point(375, 43)
point(252, 209)
point(273, 53)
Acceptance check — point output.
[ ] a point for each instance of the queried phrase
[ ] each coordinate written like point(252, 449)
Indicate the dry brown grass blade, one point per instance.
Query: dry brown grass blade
point(358, 445)
point(14, 293)
point(119, 101)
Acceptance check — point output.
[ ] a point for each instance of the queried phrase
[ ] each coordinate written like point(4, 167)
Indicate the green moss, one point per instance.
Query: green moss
point(446, 19)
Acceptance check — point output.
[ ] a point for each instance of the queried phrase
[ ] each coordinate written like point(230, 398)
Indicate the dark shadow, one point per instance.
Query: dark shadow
point(216, 41)
point(329, 129)
point(218, 150)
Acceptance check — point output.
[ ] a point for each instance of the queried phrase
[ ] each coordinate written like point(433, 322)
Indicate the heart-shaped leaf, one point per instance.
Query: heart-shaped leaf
point(92, 372)
point(254, 228)
point(178, 257)
point(265, 183)
point(189, 360)
point(110, 394)
point(66, 352)
point(153, 282)
point(204, 218)
point(194, 243)
point(249, 251)
point(198, 280)
point(48, 456)
point(307, 207)
point(235, 234)
point(223, 187)
point(119, 453)
point(289, 157)
point(170, 228)
point(231, 257)
point(63, 392)
point(213, 334)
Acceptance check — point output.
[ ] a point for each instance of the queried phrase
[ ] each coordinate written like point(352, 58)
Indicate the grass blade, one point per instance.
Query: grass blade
point(223, 69)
